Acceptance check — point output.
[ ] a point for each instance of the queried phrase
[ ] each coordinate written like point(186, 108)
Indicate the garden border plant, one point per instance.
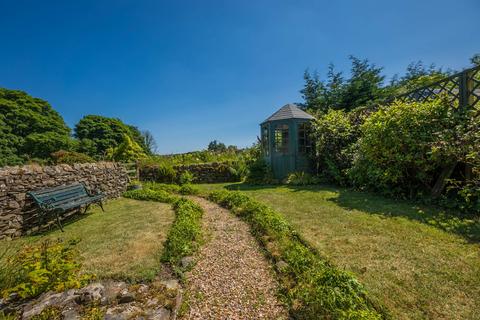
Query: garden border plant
point(185, 234)
point(311, 286)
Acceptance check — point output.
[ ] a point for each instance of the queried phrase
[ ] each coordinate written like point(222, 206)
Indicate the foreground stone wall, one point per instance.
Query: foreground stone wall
point(18, 213)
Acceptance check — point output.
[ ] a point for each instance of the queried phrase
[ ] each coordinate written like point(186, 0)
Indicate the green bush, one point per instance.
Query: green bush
point(259, 172)
point(71, 157)
point(399, 151)
point(186, 177)
point(170, 188)
point(185, 234)
point(150, 195)
point(40, 268)
point(301, 179)
point(188, 189)
point(311, 286)
point(335, 134)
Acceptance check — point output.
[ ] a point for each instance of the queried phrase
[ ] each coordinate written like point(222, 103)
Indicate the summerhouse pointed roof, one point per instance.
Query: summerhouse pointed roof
point(289, 111)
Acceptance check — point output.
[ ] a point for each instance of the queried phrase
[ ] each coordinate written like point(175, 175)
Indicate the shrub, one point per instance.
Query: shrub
point(301, 179)
point(259, 172)
point(185, 233)
point(188, 189)
point(398, 151)
point(71, 157)
point(37, 269)
point(170, 188)
point(186, 177)
point(150, 195)
point(335, 134)
point(312, 287)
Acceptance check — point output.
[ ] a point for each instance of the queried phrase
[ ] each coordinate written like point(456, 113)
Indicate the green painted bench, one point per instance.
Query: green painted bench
point(64, 198)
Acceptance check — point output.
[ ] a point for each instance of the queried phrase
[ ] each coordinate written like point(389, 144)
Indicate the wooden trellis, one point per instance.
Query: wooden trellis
point(462, 87)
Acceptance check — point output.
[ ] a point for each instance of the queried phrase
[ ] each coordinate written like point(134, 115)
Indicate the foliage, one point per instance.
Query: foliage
point(335, 134)
point(149, 142)
point(475, 59)
point(185, 234)
point(217, 146)
point(50, 266)
point(205, 156)
point(150, 195)
point(186, 177)
point(127, 150)
point(97, 134)
point(29, 128)
point(363, 87)
point(259, 172)
point(312, 287)
point(188, 189)
point(400, 149)
point(71, 157)
point(301, 179)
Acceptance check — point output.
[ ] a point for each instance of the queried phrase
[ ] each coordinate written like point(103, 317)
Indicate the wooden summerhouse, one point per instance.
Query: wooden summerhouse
point(285, 140)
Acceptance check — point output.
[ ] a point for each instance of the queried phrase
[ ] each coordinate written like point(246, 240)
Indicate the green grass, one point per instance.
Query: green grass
point(416, 260)
point(125, 242)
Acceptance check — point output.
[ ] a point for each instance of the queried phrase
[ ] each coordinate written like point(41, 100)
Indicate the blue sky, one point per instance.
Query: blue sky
point(194, 71)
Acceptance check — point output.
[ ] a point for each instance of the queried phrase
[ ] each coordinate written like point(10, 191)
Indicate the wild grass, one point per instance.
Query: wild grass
point(124, 242)
point(419, 261)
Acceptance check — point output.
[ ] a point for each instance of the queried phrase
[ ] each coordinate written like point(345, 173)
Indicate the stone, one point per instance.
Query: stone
point(121, 312)
point(159, 314)
point(126, 298)
point(112, 291)
point(46, 300)
point(142, 288)
point(187, 262)
point(70, 314)
point(171, 284)
point(12, 204)
point(92, 293)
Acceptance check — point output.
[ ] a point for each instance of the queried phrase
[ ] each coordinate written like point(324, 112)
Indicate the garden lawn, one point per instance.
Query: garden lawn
point(124, 242)
point(415, 260)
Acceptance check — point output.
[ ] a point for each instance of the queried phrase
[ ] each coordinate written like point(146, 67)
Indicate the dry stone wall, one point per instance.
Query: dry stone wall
point(18, 213)
point(203, 172)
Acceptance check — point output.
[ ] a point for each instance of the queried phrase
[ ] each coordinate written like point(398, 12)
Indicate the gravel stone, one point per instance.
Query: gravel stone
point(231, 279)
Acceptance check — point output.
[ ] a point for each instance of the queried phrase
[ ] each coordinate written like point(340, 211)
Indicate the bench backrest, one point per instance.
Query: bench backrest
point(59, 194)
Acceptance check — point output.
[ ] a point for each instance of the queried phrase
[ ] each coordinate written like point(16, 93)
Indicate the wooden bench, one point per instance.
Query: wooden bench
point(64, 198)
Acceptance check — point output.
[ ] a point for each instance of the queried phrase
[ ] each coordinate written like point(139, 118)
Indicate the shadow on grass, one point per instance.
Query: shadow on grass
point(466, 226)
point(51, 227)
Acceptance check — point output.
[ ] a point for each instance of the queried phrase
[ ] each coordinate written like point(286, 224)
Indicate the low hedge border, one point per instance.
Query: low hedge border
point(311, 286)
point(185, 234)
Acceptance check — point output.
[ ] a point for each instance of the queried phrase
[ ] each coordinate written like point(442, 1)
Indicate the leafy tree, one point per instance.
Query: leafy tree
point(149, 142)
point(127, 150)
point(29, 128)
point(364, 86)
point(475, 59)
point(216, 146)
point(97, 134)
point(417, 75)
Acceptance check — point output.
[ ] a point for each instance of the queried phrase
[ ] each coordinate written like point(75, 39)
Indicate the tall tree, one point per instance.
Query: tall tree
point(29, 128)
point(97, 134)
point(149, 142)
point(217, 146)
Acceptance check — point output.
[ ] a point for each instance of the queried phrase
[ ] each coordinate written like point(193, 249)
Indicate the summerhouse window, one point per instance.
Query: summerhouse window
point(265, 139)
point(281, 138)
point(304, 143)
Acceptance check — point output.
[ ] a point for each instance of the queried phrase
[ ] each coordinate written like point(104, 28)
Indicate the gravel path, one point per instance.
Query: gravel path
point(231, 279)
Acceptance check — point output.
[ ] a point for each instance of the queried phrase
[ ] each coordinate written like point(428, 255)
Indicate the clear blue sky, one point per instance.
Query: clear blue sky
point(194, 71)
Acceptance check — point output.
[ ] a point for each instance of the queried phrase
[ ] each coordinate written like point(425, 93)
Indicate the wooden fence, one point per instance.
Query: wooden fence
point(462, 88)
